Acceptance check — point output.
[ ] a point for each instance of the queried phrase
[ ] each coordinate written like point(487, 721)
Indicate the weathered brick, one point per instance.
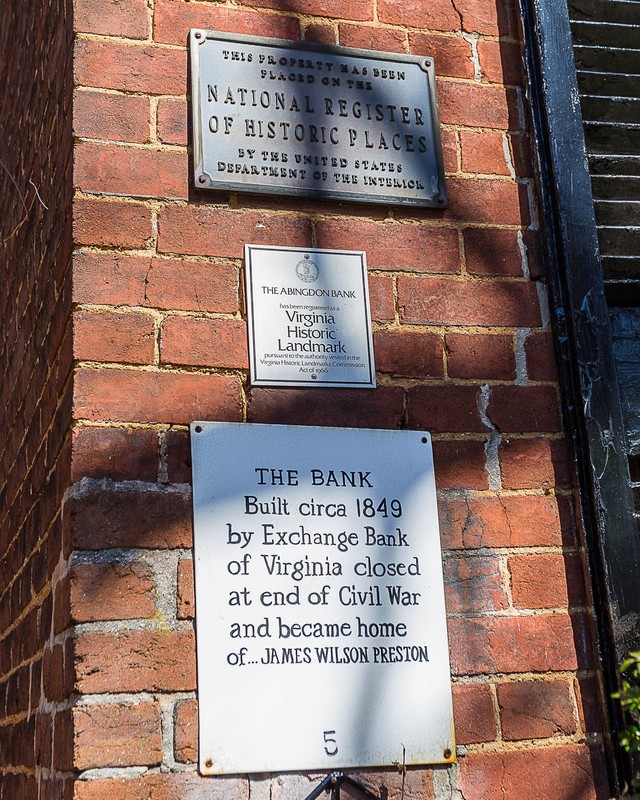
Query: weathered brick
point(112, 17)
point(439, 15)
point(493, 19)
point(483, 152)
point(358, 408)
point(590, 705)
point(484, 356)
point(107, 336)
point(118, 117)
point(460, 465)
point(546, 580)
point(473, 713)
point(323, 34)
point(537, 774)
point(160, 397)
point(204, 342)
point(411, 784)
point(186, 731)
point(186, 596)
point(496, 201)
point(487, 645)
point(445, 301)
point(445, 409)
point(173, 19)
point(536, 709)
point(135, 661)
point(394, 246)
point(163, 786)
point(474, 106)
point(178, 456)
point(179, 284)
point(172, 120)
point(500, 62)
point(389, 40)
point(112, 591)
point(112, 517)
point(130, 67)
point(117, 735)
point(110, 223)
point(492, 252)
point(524, 408)
point(198, 230)
point(130, 170)
point(381, 298)
point(354, 9)
point(451, 54)
point(533, 463)
point(474, 584)
point(532, 521)
point(118, 453)
point(414, 354)
point(541, 357)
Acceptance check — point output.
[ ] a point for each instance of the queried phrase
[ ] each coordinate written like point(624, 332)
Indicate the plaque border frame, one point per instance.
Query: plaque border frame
point(203, 181)
point(251, 328)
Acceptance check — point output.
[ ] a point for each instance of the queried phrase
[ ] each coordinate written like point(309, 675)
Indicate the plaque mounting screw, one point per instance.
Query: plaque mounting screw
point(447, 753)
point(201, 179)
point(208, 763)
point(198, 35)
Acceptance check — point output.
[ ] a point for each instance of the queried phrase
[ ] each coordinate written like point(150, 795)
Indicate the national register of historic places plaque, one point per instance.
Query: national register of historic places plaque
point(283, 117)
point(308, 317)
point(321, 631)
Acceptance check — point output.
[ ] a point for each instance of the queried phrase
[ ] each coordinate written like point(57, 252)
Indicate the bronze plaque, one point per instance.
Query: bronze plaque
point(280, 117)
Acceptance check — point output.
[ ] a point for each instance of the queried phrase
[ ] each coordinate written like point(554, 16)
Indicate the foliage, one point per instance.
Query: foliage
point(629, 697)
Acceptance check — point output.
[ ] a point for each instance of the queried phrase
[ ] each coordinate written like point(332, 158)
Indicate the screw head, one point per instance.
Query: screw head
point(208, 763)
point(198, 35)
point(447, 753)
point(202, 179)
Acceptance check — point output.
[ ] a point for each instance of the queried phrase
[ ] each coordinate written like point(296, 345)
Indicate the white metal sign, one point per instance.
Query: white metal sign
point(321, 634)
point(309, 318)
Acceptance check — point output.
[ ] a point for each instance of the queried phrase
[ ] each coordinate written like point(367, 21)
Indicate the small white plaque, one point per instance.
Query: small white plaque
point(309, 318)
point(320, 619)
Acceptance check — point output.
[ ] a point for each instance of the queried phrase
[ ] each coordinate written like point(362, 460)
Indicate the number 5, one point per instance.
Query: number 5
point(330, 744)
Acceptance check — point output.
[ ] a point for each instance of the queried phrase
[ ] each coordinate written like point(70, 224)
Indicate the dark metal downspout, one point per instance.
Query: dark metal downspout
point(587, 372)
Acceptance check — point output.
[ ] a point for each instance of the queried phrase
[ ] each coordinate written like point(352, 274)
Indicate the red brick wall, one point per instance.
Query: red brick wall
point(463, 349)
point(35, 393)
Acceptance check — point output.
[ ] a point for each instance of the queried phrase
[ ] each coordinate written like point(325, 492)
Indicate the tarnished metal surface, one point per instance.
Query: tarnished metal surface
point(281, 117)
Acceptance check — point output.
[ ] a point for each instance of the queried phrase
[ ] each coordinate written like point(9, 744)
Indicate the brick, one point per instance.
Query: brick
point(392, 784)
point(323, 34)
point(186, 731)
point(449, 151)
point(130, 67)
point(493, 19)
point(408, 353)
point(112, 18)
point(358, 408)
point(111, 223)
point(178, 456)
point(460, 465)
point(178, 284)
point(186, 595)
point(452, 55)
point(163, 786)
point(198, 230)
point(492, 252)
point(118, 453)
point(172, 120)
point(388, 40)
point(522, 158)
point(112, 591)
point(444, 301)
point(155, 397)
point(135, 661)
point(174, 18)
point(445, 409)
point(477, 106)
point(495, 201)
point(437, 15)
point(524, 408)
point(355, 9)
point(500, 62)
point(130, 170)
point(541, 357)
point(103, 518)
point(484, 356)
point(107, 336)
point(533, 463)
point(471, 523)
point(546, 580)
point(118, 117)
point(590, 704)
point(394, 246)
point(381, 298)
point(537, 774)
point(483, 152)
point(473, 713)
point(117, 735)
point(536, 709)
point(486, 645)
point(474, 584)
point(204, 342)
